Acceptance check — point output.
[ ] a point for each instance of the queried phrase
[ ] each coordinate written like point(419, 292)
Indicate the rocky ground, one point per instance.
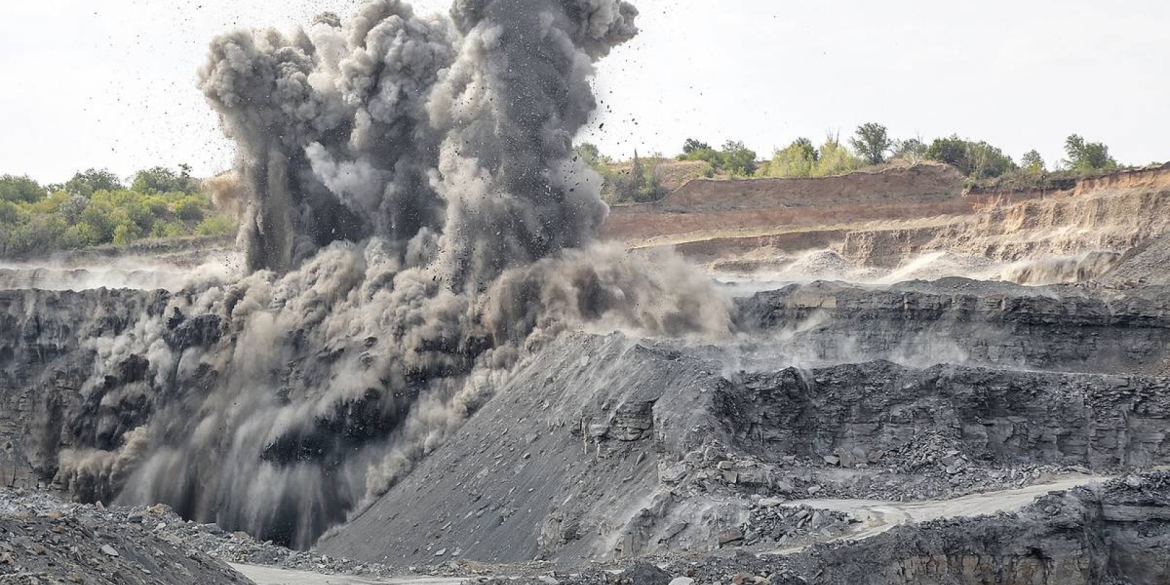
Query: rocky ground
point(854, 433)
point(1108, 533)
point(43, 540)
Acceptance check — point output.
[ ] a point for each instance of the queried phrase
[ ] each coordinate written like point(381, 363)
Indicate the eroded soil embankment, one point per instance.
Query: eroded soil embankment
point(705, 208)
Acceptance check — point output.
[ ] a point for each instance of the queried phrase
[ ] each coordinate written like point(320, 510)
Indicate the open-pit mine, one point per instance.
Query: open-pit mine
point(435, 355)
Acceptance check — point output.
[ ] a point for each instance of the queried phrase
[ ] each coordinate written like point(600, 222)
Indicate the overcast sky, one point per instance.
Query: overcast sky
point(111, 83)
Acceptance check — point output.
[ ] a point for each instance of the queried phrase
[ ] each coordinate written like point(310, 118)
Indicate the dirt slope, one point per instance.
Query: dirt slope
point(710, 207)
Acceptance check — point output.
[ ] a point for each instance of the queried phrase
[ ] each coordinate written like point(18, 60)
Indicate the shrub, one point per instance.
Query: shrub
point(216, 225)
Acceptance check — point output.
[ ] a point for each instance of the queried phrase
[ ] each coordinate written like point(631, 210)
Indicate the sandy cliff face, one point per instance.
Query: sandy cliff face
point(1114, 216)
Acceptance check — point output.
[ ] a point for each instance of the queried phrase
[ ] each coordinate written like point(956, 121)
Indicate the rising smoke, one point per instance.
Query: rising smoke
point(414, 222)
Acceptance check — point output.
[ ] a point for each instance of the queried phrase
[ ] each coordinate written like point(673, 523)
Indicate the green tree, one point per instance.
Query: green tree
point(978, 160)
point(737, 159)
point(692, 145)
point(72, 209)
point(872, 142)
point(96, 226)
point(695, 150)
point(912, 149)
point(1087, 156)
point(91, 181)
point(164, 180)
point(11, 214)
point(952, 151)
point(640, 184)
point(21, 189)
point(988, 161)
point(1033, 163)
point(589, 153)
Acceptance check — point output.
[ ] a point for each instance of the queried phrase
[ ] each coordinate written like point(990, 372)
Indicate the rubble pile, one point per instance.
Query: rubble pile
point(51, 521)
point(45, 541)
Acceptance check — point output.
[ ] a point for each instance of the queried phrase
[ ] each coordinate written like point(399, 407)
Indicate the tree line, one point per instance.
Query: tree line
point(871, 145)
point(95, 207)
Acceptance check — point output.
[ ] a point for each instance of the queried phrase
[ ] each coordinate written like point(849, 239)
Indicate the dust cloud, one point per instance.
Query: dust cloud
point(414, 222)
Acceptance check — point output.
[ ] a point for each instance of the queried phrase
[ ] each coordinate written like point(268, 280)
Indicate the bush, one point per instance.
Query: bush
point(800, 159)
point(126, 233)
point(190, 208)
point(164, 180)
point(797, 160)
point(735, 159)
point(835, 159)
point(42, 232)
point(216, 225)
point(977, 160)
point(21, 189)
point(87, 183)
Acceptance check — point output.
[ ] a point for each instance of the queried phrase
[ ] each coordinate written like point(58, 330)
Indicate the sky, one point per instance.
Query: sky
point(111, 83)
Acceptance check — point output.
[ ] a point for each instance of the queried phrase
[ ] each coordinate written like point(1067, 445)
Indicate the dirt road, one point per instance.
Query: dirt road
point(273, 576)
point(877, 516)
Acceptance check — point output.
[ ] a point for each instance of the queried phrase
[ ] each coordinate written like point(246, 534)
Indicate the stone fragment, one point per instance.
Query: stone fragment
point(729, 536)
point(643, 573)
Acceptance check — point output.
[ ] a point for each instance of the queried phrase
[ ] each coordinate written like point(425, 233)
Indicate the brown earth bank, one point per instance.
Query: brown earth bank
point(703, 206)
point(888, 217)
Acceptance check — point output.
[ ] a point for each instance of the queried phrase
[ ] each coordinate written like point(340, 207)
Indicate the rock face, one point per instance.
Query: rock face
point(994, 417)
point(603, 447)
point(47, 348)
point(964, 321)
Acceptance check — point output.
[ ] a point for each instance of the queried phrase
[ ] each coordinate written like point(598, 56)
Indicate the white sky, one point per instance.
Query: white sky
point(111, 83)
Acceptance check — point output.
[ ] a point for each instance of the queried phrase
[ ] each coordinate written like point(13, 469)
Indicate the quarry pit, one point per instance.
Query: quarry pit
point(433, 355)
point(932, 430)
